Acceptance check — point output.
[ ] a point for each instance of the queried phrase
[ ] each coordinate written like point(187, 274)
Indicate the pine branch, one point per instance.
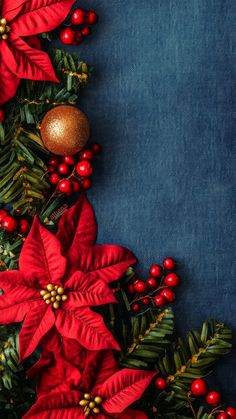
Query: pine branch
point(149, 340)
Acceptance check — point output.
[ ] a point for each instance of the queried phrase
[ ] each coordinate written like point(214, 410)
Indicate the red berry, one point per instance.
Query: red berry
point(172, 280)
point(91, 18)
point(169, 295)
point(2, 115)
point(87, 154)
point(67, 36)
point(54, 179)
point(231, 411)
point(155, 271)
point(140, 287)
point(9, 224)
point(84, 168)
point(75, 185)
point(86, 183)
point(152, 283)
point(199, 387)
point(223, 415)
point(69, 160)
point(97, 148)
point(86, 31)
point(213, 398)
point(159, 301)
point(130, 289)
point(65, 186)
point(169, 264)
point(3, 214)
point(78, 38)
point(51, 169)
point(161, 383)
point(146, 301)
point(135, 307)
point(54, 161)
point(63, 169)
point(78, 17)
point(23, 226)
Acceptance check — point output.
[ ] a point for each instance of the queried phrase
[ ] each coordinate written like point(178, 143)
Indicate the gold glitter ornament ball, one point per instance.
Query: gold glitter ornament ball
point(64, 130)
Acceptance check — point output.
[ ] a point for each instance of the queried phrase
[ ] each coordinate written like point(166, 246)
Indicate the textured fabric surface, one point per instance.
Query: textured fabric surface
point(161, 103)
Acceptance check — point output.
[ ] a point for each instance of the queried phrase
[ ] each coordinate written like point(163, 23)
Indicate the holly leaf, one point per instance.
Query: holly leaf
point(85, 326)
point(77, 227)
point(27, 62)
point(41, 256)
point(124, 388)
point(37, 16)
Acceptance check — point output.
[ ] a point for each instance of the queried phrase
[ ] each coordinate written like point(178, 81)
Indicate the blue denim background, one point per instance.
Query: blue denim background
point(162, 105)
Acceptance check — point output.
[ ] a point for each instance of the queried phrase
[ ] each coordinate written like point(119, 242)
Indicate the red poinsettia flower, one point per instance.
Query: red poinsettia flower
point(103, 391)
point(53, 287)
point(20, 21)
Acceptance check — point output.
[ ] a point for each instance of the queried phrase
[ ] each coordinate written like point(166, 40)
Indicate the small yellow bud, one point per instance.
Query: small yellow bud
point(96, 410)
point(50, 287)
point(53, 293)
point(60, 290)
point(98, 400)
point(43, 292)
point(53, 299)
point(7, 29)
point(47, 296)
point(3, 21)
point(92, 405)
point(87, 396)
point(2, 29)
point(64, 297)
point(83, 403)
point(58, 297)
point(4, 36)
point(56, 305)
point(48, 302)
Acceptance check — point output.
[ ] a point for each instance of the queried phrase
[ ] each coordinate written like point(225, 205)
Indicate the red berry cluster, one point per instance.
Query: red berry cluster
point(156, 291)
point(199, 388)
point(70, 36)
point(12, 224)
point(71, 174)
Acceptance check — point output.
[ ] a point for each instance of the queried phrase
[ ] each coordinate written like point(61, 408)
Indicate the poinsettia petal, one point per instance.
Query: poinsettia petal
point(124, 388)
point(87, 290)
point(59, 405)
point(41, 255)
point(87, 327)
point(9, 82)
point(100, 365)
point(16, 299)
point(27, 62)
point(33, 42)
point(37, 16)
point(38, 321)
point(11, 8)
point(109, 261)
point(77, 226)
point(131, 414)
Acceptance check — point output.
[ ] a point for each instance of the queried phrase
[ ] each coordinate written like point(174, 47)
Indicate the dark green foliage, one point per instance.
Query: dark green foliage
point(150, 335)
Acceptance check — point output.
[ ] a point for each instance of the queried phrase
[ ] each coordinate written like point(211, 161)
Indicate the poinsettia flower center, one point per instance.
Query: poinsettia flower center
point(53, 294)
point(4, 29)
point(91, 404)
